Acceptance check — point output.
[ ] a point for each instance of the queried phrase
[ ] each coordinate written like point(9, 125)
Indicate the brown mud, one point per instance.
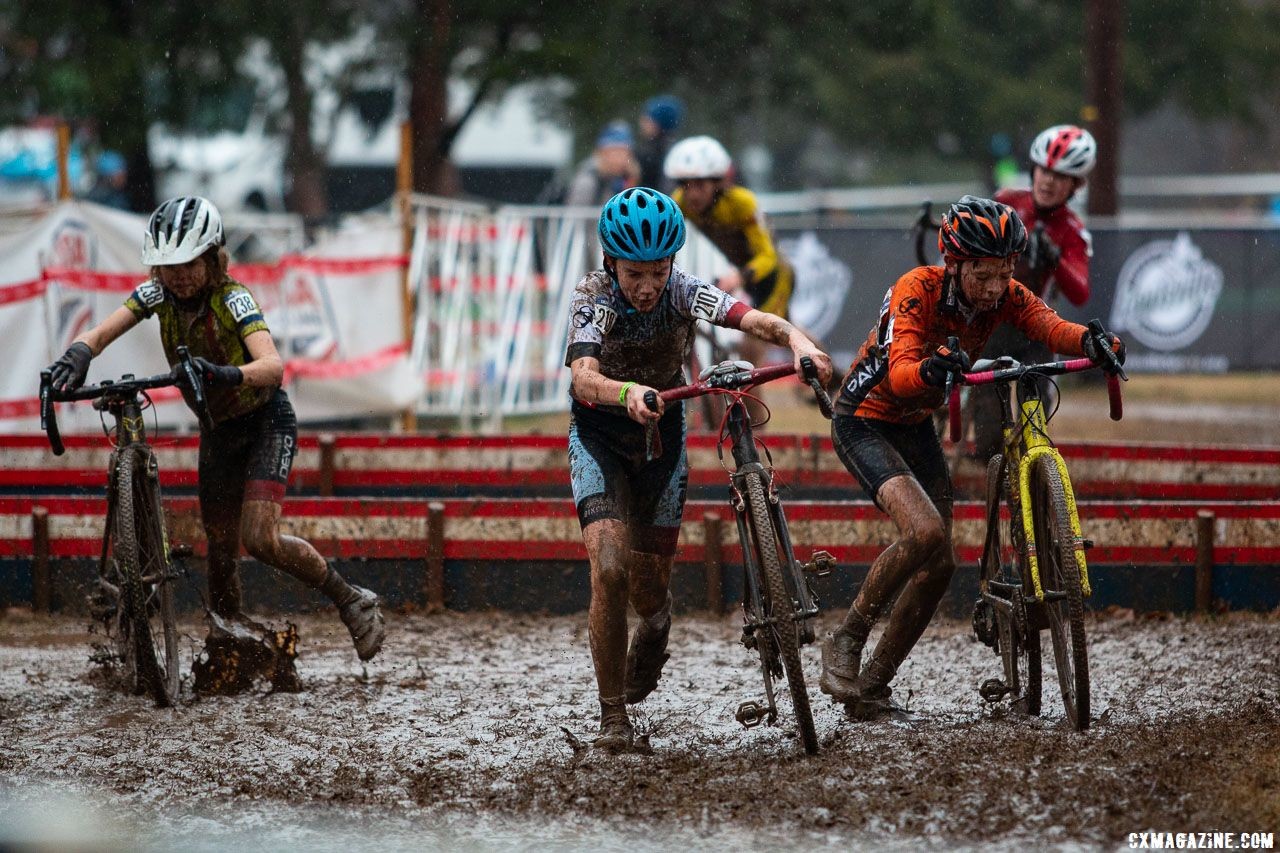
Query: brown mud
point(456, 734)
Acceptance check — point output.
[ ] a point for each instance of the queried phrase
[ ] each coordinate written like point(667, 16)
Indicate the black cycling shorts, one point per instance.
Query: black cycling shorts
point(248, 458)
point(611, 478)
point(877, 451)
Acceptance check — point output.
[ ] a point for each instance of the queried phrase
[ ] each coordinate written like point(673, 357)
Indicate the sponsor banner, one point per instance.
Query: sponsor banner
point(1189, 300)
point(335, 315)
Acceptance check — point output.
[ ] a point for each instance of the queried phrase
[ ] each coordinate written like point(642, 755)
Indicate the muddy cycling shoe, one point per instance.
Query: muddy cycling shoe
point(875, 705)
point(645, 659)
point(841, 657)
point(616, 734)
point(363, 618)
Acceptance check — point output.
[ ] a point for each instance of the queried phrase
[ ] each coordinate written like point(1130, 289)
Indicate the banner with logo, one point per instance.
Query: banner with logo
point(335, 314)
point(1185, 300)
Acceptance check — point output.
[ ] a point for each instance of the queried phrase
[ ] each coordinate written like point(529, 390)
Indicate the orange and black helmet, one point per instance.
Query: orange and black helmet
point(981, 228)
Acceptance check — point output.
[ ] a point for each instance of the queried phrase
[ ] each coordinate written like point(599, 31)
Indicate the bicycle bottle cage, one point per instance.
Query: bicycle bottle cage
point(726, 373)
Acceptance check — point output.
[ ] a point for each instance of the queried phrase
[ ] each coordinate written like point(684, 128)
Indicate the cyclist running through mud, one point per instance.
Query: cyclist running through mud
point(631, 326)
point(246, 458)
point(884, 434)
point(1059, 248)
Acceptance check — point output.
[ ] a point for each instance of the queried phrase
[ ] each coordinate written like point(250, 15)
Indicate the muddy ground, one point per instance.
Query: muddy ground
point(456, 738)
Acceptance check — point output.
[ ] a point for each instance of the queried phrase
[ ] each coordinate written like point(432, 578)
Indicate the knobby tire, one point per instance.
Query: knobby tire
point(780, 607)
point(1026, 658)
point(1059, 573)
point(138, 549)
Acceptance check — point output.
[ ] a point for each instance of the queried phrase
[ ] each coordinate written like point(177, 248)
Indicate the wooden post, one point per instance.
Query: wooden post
point(41, 600)
point(435, 557)
point(404, 189)
point(327, 446)
point(713, 560)
point(64, 153)
point(1205, 523)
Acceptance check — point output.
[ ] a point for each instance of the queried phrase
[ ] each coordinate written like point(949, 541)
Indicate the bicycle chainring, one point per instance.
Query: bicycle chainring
point(984, 624)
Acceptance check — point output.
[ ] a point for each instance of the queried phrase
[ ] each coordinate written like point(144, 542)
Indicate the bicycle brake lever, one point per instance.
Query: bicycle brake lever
point(652, 440)
point(192, 376)
point(48, 415)
point(810, 373)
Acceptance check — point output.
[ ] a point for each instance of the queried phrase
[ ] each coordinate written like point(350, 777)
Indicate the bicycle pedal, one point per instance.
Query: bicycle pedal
point(993, 690)
point(751, 714)
point(821, 564)
point(1086, 544)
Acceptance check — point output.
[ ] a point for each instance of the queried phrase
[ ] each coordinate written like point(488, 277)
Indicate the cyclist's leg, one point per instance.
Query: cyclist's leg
point(223, 463)
point(657, 506)
point(598, 476)
point(271, 461)
point(923, 589)
point(871, 451)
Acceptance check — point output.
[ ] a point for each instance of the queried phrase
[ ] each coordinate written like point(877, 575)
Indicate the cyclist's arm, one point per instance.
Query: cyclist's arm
point(764, 256)
point(266, 370)
point(910, 304)
point(1041, 323)
point(772, 329)
point(116, 324)
point(591, 386)
point(1071, 275)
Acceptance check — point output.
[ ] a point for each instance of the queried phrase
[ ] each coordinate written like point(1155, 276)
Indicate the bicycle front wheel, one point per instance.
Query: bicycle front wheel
point(1064, 597)
point(146, 596)
point(780, 607)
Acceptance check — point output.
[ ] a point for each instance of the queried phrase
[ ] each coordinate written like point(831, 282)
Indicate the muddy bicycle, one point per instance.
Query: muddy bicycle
point(779, 607)
point(1037, 578)
point(136, 569)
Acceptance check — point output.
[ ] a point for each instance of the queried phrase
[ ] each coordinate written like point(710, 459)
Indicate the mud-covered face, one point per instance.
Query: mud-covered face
point(1050, 189)
point(642, 282)
point(985, 280)
point(185, 280)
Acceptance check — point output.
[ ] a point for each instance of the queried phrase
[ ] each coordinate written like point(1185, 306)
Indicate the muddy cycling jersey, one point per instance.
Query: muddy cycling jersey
point(1064, 228)
point(918, 314)
point(734, 223)
point(213, 326)
point(646, 348)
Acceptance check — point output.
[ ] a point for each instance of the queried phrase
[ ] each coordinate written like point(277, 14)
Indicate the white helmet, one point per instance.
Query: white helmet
point(697, 157)
point(181, 229)
point(1065, 148)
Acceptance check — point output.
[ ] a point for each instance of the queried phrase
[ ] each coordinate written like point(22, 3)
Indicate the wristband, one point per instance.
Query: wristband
point(622, 395)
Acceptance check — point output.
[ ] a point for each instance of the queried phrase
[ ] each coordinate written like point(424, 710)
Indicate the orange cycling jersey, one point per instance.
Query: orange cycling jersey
point(922, 310)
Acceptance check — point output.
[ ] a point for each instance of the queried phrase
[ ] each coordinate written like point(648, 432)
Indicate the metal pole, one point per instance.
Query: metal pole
point(40, 593)
point(1205, 524)
point(1104, 75)
point(64, 153)
point(327, 453)
point(435, 557)
point(404, 189)
point(713, 560)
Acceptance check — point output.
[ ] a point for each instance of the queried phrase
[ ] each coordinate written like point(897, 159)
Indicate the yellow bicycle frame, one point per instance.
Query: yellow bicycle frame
point(1020, 455)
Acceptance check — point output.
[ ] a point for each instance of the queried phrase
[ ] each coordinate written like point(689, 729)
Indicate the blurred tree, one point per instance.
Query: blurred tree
point(109, 64)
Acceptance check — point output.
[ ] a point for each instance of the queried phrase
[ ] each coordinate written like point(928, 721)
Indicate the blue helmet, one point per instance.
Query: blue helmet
point(640, 224)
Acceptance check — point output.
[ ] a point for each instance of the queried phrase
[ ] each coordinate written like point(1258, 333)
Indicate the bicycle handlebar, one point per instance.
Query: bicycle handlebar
point(183, 374)
point(1015, 371)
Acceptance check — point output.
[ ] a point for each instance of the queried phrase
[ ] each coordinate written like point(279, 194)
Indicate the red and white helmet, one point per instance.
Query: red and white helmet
point(697, 157)
point(1065, 148)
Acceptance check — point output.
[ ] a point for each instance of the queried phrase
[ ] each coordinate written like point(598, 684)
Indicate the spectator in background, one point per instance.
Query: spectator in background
point(609, 170)
point(109, 187)
point(658, 123)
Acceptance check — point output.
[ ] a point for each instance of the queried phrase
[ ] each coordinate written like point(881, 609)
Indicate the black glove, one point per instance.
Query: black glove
point(935, 369)
point(217, 375)
point(1044, 253)
point(70, 370)
point(1095, 346)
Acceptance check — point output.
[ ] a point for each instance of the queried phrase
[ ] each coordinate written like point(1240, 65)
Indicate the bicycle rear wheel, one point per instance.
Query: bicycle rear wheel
point(1064, 597)
point(146, 596)
point(780, 606)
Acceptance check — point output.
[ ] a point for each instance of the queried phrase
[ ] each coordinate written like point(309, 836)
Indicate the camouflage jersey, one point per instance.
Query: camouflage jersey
point(646, 348)
point(213, 326)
